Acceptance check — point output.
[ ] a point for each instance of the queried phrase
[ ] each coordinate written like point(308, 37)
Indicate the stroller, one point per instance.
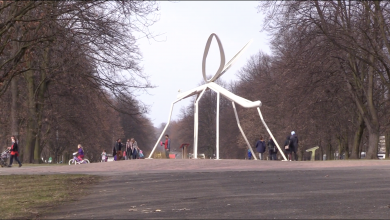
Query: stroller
point(3, 157)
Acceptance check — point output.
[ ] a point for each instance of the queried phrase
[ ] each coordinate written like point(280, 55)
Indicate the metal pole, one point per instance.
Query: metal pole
point(269, 132)
point(196, 124)
point(242, 132)
point(217, 126)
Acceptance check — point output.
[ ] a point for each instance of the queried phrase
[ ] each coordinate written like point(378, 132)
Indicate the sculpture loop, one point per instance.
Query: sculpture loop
point(222, 67)
point(221, 53)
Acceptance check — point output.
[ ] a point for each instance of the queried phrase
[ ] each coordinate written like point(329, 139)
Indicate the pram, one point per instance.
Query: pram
point(3, 157)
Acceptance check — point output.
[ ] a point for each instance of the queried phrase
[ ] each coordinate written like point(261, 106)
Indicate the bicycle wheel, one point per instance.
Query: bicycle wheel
point(71, 161)
point(87, 161)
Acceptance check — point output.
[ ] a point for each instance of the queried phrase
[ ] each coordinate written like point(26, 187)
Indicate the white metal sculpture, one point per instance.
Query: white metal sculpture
point(219, 90)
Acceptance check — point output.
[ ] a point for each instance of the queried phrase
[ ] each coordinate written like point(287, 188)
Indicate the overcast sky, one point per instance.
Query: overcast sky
point(174, 60)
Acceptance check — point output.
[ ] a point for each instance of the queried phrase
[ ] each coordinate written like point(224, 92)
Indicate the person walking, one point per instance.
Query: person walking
point(260, 147)
point(294, 145)
point(128, 150)
point(272, 151)
point(134, 148)
point(14, 152)
point(167, 146)
point(118, 150)
point(287, 147)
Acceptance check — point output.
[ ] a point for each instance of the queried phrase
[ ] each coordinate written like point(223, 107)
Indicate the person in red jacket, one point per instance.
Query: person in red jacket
point(14, 152)
point(167, 146)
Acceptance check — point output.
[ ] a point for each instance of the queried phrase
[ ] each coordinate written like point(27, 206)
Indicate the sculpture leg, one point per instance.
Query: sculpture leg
point(195, 129)
point(313, 156)
point(166, 126)
point(269, 132)
point(242, 132)
point(217, 131)
point(196, 124)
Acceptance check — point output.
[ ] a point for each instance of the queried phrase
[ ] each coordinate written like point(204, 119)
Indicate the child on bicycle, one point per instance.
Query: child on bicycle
point(80, 152)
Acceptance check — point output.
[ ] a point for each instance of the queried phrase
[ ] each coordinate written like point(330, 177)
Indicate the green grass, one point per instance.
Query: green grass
point(29, 196)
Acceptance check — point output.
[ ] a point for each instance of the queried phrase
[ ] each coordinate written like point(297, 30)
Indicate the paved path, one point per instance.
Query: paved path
point(199, 165)
point(229, 189)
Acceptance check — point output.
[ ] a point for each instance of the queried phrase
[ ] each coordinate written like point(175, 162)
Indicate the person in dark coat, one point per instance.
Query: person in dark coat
point(272, 149)
point(260, 147)
point(129, 151)
point(287, 147)
point(14, 152)
point(117, 149)
point(294, 145)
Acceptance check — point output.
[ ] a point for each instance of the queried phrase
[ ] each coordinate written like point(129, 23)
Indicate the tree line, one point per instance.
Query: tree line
point(69, 71)
point(327, 78)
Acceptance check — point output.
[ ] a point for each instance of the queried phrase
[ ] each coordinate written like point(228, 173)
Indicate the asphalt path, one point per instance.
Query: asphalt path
point(228, 189)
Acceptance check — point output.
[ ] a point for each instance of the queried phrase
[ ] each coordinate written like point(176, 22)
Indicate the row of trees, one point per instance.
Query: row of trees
point(327, 79)
point(68, 74)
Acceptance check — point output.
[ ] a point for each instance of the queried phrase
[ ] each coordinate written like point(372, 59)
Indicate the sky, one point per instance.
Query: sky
point(173, 60)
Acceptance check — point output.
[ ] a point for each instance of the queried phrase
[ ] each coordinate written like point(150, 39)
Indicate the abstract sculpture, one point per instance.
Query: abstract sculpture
point(313, 152)
point(219, 90)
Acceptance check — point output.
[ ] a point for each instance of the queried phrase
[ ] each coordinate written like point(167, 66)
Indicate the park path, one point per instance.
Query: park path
point(227, 189)
point(187, 165)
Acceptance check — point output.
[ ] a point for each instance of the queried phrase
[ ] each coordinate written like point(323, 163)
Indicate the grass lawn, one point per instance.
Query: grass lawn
point(28, 196)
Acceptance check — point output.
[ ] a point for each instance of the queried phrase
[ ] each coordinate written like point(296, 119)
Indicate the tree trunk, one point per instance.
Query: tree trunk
point(40, 99)
point(340, 142)
point(14, 92)
point(372, 120)
point(321, 150)
point(14, 109)
point(328, 151)
point(31, 121)
point(373, 140)
point(301, 153)
point(357, 139)
point(346, 147)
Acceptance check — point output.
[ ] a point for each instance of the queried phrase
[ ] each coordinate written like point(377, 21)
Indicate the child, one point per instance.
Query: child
point(249, 154)
point(141, 154)
point(104, 156)
point(80, 152)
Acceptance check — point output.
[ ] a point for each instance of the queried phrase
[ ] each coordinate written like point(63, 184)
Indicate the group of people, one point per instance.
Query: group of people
point(290, 147)
point(128, 151)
